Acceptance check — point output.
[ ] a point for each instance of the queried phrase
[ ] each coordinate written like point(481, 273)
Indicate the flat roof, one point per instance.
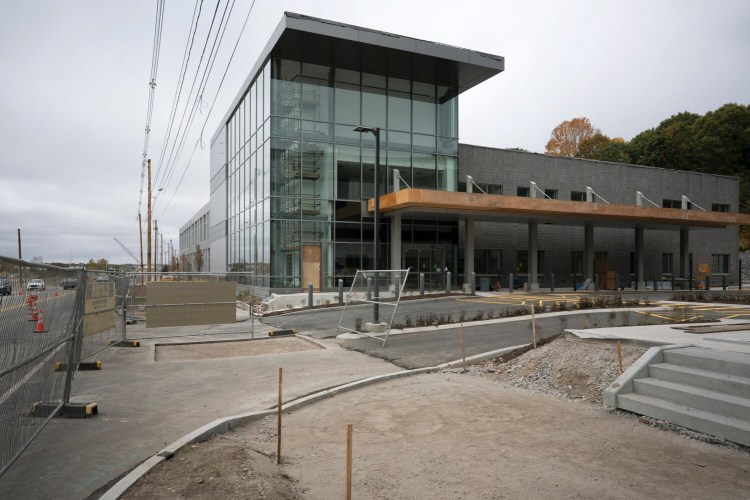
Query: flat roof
point(503, 208)
point(332, 43)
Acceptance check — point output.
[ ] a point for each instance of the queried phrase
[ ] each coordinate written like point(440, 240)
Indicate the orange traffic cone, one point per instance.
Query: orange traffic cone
point(34, 315)
point(40, 325)
point(56, 294)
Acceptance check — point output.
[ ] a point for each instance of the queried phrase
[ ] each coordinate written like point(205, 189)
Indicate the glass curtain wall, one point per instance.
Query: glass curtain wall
point(299, 176)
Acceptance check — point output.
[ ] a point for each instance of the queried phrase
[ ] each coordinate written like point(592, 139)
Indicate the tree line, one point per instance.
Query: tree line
point(717, 143)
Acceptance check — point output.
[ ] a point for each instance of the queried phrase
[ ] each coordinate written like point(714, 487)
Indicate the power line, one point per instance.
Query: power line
point(213, 103)
point(156, 49)
point(218, 39)
point(195, 78)
point(183, 72)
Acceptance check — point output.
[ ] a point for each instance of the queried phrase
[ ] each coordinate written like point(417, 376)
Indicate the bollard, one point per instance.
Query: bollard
point(724, 282)
point(552, 282)
point(341, 292)
point(673, 282)
point(655, 287)
point(421, 284)
point(310, 295)
point(596, 282)
point(448, 282)
point(397, 291)
point(473, 283)
point(510, 282)
point(708, 283)
point(369, 288)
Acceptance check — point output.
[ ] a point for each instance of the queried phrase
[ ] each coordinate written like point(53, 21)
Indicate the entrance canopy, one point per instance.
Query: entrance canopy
point(417, 203)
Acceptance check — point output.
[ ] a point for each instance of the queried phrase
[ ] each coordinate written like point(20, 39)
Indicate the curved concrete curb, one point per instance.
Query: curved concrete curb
point(226, 424)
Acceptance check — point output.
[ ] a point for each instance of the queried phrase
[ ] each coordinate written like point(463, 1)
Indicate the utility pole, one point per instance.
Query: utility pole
point(156, 246)
point(140, 242)
point(148, 228)
point(161, 249)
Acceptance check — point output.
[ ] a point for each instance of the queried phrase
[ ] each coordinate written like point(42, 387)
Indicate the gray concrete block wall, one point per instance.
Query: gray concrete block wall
point(618, 184)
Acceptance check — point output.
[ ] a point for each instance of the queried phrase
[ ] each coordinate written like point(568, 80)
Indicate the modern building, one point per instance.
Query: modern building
point(194, 237)
point(292, 182)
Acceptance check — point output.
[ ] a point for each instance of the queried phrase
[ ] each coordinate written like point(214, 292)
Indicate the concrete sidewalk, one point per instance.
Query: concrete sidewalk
point(734, 340)
point(145, 405)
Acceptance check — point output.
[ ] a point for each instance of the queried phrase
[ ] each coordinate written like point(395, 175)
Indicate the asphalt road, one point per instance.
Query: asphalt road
point(435, 346)
point(323, 322)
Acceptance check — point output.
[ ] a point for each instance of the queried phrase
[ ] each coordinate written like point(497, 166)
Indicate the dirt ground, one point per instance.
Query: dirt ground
point(231, 349)
point(487, 433)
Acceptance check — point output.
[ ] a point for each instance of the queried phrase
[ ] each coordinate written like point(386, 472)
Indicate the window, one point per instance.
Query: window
point(675, 204)
point(578, 196)
point(522, 262)
point(522, 191)
point(719, 207)
point(487, 261)
point(602, 256)
point(494, 189)
point(667, 260)
point(551, 193)
point(576, 262)
point(720, 263)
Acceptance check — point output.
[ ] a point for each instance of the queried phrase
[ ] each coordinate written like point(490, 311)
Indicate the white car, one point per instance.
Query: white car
point(36, 285)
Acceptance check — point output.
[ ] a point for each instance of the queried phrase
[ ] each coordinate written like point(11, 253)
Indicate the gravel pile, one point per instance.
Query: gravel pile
point(567, 368)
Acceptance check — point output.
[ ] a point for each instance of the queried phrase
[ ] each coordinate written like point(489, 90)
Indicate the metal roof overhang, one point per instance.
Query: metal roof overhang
point(449, 205)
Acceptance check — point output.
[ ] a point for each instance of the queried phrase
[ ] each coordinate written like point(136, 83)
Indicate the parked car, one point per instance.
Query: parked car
point(5, 288)
point(69, 283)
point(36, 285)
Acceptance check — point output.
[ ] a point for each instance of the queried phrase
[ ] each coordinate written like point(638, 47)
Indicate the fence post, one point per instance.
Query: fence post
point(369, 288)
point(708, 282)
point(617, 281)
point(448, 282)
point(739, 271)
point(473, 283)
point(510, 282)
point(310, 295)
point(551, 282)
point(724, 282)
point(397, 291)
point(596, 282)
point(421, 284)
point(75, 352)
point(690, 274)
point(341, 292)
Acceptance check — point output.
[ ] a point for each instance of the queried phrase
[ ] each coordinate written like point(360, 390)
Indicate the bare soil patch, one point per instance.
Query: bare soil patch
point(487, 433)
point(233, 349)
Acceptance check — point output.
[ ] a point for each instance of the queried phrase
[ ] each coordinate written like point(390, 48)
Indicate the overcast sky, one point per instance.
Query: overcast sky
point(74, 87)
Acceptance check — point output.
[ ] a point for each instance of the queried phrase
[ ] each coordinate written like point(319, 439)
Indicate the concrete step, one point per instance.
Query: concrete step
point(719, 382)
point(694, 397)
point(732, 429)
point(727, 362)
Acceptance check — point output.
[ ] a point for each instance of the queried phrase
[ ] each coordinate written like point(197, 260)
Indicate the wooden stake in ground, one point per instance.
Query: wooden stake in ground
point(278, 434)
point(533, 325)
point(349, 462)
point(619, 356)
point(463, 349)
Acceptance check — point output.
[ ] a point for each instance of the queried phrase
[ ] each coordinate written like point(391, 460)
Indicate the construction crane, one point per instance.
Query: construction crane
point(122, 245)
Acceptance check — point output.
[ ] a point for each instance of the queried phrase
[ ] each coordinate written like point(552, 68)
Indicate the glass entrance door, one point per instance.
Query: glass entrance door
point(428, 260)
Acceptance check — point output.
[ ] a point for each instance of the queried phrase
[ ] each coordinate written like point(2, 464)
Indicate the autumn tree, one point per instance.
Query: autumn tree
point(566, 137)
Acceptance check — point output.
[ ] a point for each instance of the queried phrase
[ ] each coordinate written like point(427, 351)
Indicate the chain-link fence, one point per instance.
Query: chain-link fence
point(188, 304)
point(40, 318)
point(103, 318)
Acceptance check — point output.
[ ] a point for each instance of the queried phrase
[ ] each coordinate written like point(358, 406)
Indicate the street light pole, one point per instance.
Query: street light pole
point(376, 212)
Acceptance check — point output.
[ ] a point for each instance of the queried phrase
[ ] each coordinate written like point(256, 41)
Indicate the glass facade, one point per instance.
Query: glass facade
point(299, 176)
